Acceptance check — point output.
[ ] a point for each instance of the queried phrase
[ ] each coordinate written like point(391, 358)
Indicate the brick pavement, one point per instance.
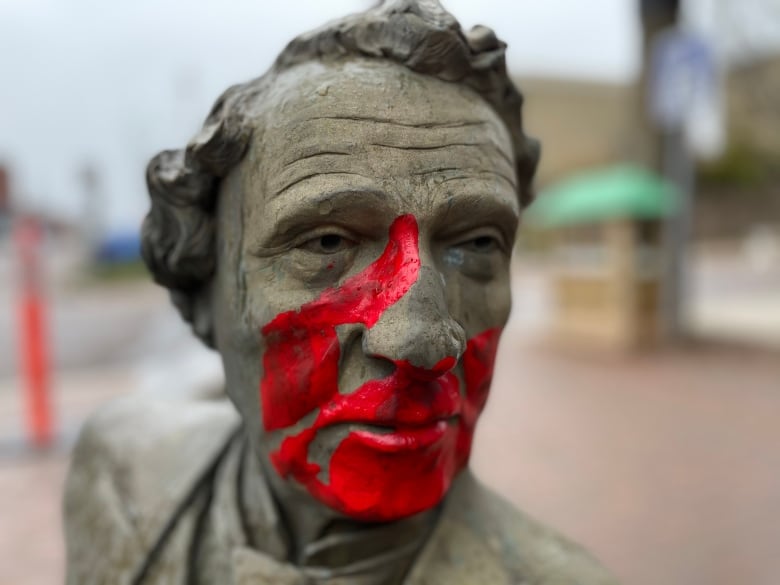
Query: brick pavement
point(31, 548)
point(667, 466)
point(31, 551)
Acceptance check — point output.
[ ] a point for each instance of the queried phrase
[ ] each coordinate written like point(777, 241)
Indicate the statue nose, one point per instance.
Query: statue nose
point(418, 330)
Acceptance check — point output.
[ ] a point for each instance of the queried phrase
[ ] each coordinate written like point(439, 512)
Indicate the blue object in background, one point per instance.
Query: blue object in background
point(119, 248)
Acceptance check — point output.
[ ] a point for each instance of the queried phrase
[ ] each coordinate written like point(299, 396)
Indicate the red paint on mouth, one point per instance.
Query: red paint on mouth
point(393, 472)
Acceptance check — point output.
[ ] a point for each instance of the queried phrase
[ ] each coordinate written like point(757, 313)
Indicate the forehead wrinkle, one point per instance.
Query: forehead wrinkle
point(287, 186)
point(490, 145)
point(315, 153)
point(373, 165)
point(312, 140)
point(460, 173)
point(374, 120)
point(303, 137)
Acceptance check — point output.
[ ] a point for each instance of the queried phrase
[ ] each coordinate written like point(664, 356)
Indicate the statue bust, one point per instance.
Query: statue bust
point(340, 232)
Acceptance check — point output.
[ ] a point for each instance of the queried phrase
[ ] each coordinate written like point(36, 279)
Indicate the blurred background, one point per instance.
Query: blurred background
point(636, 405)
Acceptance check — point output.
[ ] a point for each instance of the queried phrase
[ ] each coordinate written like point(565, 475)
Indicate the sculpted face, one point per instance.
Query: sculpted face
point(363, 281)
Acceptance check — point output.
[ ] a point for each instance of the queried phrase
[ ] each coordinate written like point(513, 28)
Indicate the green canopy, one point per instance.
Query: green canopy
point(617, 192)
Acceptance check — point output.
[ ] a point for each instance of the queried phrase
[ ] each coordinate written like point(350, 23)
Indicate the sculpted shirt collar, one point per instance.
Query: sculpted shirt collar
point(247, 538)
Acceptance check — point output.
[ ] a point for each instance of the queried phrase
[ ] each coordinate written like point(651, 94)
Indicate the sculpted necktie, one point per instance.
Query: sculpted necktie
point(251, 567)
point(379, 555)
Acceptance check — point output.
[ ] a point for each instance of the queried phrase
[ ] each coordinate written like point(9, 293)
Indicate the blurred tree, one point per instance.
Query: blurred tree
point(747, 29)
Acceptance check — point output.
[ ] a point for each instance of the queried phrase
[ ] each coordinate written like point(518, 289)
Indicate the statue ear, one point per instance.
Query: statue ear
point(195, 308)
point(527, 164)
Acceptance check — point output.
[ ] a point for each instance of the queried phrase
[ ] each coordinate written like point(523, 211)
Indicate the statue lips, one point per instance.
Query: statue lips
point(409, 439)
point(408, 418)
point(402, 413)
point(374, 475)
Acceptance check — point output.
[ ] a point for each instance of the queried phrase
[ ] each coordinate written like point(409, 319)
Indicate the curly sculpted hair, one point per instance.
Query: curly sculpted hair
point(178, 232)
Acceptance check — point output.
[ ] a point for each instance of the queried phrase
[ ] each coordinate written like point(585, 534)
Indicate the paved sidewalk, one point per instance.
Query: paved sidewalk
point(31, 547)
point(666, 466)
point(31, 550)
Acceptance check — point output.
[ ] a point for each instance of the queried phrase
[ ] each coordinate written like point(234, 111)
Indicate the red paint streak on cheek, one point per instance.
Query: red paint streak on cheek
point(302, 355)
point(371, 478)
point(478, 361)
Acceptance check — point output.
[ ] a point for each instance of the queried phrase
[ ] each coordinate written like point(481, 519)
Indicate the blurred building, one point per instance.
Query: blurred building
point(581, 124)
point(754, 105)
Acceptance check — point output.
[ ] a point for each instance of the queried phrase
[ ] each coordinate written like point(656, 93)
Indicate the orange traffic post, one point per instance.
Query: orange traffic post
point(33, 346)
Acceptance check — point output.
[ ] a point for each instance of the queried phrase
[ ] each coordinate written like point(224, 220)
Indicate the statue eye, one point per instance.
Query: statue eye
point(481, 244)
point(484, 244)
point(328, 244)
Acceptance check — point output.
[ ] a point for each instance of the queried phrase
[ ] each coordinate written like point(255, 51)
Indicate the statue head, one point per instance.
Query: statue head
point(340, 231)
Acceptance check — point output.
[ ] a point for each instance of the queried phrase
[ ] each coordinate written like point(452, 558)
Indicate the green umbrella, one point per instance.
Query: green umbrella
point(617, 192)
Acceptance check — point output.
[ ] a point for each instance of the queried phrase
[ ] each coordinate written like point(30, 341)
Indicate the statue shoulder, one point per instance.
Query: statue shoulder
point(490, 537)
point(134, 463)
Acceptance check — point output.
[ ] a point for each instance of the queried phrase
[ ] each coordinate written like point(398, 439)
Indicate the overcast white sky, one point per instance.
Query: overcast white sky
point(114, 82)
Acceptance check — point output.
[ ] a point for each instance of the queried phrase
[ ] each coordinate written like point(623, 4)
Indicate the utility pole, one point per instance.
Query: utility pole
point(656, 16)
point(5, 201)
point(668, 74)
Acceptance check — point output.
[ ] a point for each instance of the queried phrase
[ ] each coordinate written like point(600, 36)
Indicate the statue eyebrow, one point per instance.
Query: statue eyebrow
point(464, 210)
point(359, 204)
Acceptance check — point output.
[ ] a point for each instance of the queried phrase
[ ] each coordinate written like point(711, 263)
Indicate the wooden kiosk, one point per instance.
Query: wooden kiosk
point(607, 256)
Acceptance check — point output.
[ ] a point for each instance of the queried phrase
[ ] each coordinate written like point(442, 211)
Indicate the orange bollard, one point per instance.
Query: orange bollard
point(32, 330)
